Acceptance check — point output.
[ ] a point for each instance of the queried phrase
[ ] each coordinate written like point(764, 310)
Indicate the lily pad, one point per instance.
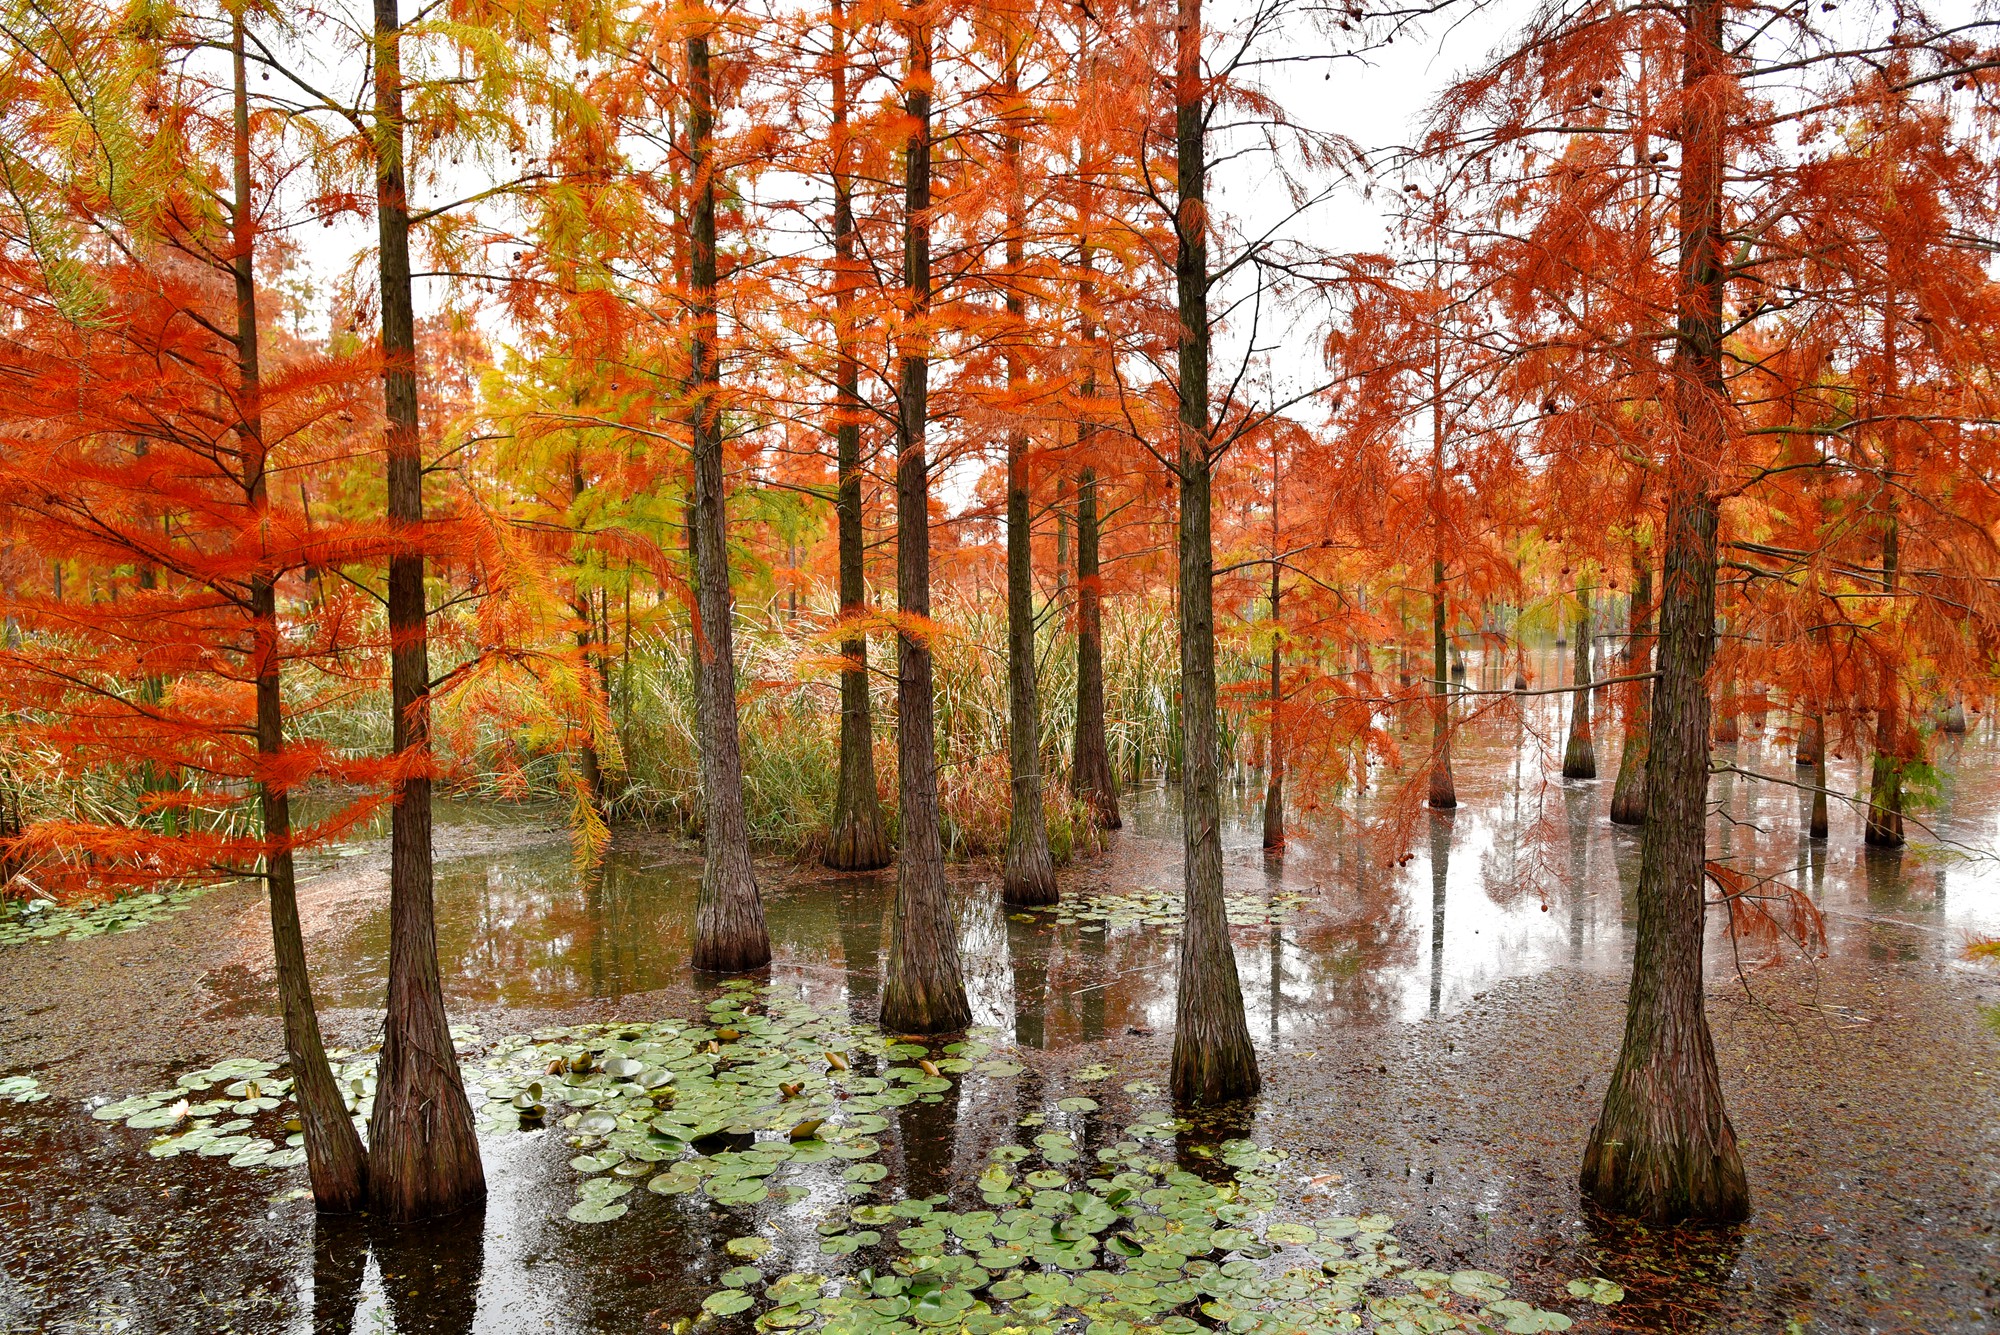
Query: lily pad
point(1596, 1289)
point(727, 1303)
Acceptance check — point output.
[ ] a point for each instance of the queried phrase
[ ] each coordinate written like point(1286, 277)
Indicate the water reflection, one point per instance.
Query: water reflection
point(1525, 876)
point(1407, 923)
point(339, 1266)
point(430, 1272)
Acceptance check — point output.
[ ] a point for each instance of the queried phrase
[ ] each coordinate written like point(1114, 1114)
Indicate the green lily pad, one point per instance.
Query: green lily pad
point(597, 1211)
point(1596, 1289)
point(728, 1302)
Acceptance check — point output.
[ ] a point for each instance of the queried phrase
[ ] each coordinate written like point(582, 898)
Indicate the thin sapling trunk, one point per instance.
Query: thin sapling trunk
point(335, 1161)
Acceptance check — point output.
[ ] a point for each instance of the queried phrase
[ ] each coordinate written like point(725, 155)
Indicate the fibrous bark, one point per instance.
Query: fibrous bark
point(1663, 1148)
point(859, 840)
point(1580, 753)
point(335, 1162)
point(1628, 796)
point(925, 989)
point(1212, 1059)
point(1027, 872)
point(423, 1154)
point(1444, 792)
point(729, 931)
point(1090, 770)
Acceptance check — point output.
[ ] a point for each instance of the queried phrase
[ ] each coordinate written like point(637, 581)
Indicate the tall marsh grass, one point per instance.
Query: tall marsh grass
point(788, 711)
point(789, 716)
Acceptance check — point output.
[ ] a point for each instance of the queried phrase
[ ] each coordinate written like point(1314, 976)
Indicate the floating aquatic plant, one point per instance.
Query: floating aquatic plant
point(1131, 1244)
point(767, 1089)
point(39, 920)
point(22, 1089)
point(1150, 906)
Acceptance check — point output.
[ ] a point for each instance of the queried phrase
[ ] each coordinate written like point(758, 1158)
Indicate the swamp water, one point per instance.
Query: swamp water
point(1435, 1021)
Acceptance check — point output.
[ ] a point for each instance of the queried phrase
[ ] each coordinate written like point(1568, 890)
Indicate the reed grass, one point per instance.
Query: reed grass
point(789, 717)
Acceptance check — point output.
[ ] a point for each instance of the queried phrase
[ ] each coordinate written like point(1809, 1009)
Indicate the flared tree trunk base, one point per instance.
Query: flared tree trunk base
point(729, 931)
point(1649, 1159)
point(1215, 1074)
point(1444, 793)
point(1580, 759)
point(1628, 798)
point(423, 1160)
point(925, 989)
point(857, 844)
point(1028, 874)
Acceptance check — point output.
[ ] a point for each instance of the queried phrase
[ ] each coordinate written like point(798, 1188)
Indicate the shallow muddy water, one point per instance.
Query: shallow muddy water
point(1436, 1006)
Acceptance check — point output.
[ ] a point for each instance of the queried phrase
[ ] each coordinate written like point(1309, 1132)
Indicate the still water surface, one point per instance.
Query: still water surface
point(1394, 927)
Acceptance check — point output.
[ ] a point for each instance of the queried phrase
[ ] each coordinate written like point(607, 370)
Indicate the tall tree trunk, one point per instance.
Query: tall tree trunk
point(1884, 825)
point(1213, 1059)
point(335, 1161)
point(860, 840)
point(1580, 755)
point(925, 989)
point(1628, 797)
point(1027, 872)
point(1663, 1147)
point(1816, 828)
point(1444, 792)
point(729, 933)
point(1274, 780)
point(1062, 537)
point(1811, 741)
point(423, 1153)
point(588, 759)
point(1090, 770)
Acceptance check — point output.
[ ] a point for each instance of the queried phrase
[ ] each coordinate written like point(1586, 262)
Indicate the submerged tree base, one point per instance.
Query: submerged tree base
point(1647, 1163)
point(857, 844)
